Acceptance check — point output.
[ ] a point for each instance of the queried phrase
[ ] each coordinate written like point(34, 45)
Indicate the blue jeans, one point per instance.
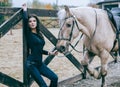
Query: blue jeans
point(37, 70)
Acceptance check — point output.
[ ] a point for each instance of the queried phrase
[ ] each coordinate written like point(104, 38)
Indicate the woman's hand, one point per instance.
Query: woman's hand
point(53, 53)
point(24, 7)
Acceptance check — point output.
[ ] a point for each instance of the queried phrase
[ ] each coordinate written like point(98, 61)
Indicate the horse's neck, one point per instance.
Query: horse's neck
point(87, 26)
point(84, 30)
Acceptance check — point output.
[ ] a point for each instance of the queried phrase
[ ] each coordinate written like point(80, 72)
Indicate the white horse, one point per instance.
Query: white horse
point(98, 39)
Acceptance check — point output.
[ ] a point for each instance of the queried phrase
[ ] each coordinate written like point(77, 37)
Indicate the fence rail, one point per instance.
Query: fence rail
point(14, 19)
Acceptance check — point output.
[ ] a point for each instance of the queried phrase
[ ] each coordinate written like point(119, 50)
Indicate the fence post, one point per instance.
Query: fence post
point(25, 53)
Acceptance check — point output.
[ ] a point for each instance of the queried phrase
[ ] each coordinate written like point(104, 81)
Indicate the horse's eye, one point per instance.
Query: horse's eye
point(68, 25)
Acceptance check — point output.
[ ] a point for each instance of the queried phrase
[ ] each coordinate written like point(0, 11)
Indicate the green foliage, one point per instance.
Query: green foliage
point(5, 3)
point(39, 5)
point(34, 4)
point(55, 6)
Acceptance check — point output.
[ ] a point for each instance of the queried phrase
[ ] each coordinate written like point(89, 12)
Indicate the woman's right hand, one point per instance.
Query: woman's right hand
point(24, 7)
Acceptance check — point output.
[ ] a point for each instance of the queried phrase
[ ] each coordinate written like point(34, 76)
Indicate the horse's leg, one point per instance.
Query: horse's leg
point(116, 57)
point(104, 55)
point(88, 57)
point(85, 63)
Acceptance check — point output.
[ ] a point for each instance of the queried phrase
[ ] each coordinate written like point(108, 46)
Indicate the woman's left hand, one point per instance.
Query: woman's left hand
point(53, 53)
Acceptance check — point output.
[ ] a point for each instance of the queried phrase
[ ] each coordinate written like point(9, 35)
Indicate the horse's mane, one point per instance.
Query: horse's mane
point(62, 13)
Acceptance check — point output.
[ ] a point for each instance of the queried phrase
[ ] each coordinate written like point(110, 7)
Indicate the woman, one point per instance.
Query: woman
point(36, 42)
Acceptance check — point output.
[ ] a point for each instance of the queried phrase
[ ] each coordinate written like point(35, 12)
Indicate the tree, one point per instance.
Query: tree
point(48, 6)
point(4, 3)
point(39, 5)
point(93, 5)
point(36, 4)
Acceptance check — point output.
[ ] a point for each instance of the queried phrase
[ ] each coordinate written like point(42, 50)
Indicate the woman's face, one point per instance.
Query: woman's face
point(32, 23)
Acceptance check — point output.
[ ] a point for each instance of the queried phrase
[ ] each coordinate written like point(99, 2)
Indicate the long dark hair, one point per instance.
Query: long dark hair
point(38, 25)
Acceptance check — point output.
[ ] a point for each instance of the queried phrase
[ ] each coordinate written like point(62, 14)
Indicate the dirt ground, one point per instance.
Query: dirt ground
point(112, 79)
point(11, 59)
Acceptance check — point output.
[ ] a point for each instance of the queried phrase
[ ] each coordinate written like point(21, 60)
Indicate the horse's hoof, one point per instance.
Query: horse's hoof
point(115, 61)
point(97, 74)
point(105, 85)
point(84, 76)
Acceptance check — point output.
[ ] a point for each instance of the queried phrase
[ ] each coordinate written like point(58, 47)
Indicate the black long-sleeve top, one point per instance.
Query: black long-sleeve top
point(34, 41)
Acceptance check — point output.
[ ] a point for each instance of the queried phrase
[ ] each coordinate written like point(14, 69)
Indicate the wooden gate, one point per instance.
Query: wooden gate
point(13, 20)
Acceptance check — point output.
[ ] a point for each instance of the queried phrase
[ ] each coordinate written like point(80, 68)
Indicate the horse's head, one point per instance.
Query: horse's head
point(68, 29)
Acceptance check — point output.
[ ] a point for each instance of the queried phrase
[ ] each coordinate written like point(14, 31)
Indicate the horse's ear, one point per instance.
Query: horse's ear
point(67, 10)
